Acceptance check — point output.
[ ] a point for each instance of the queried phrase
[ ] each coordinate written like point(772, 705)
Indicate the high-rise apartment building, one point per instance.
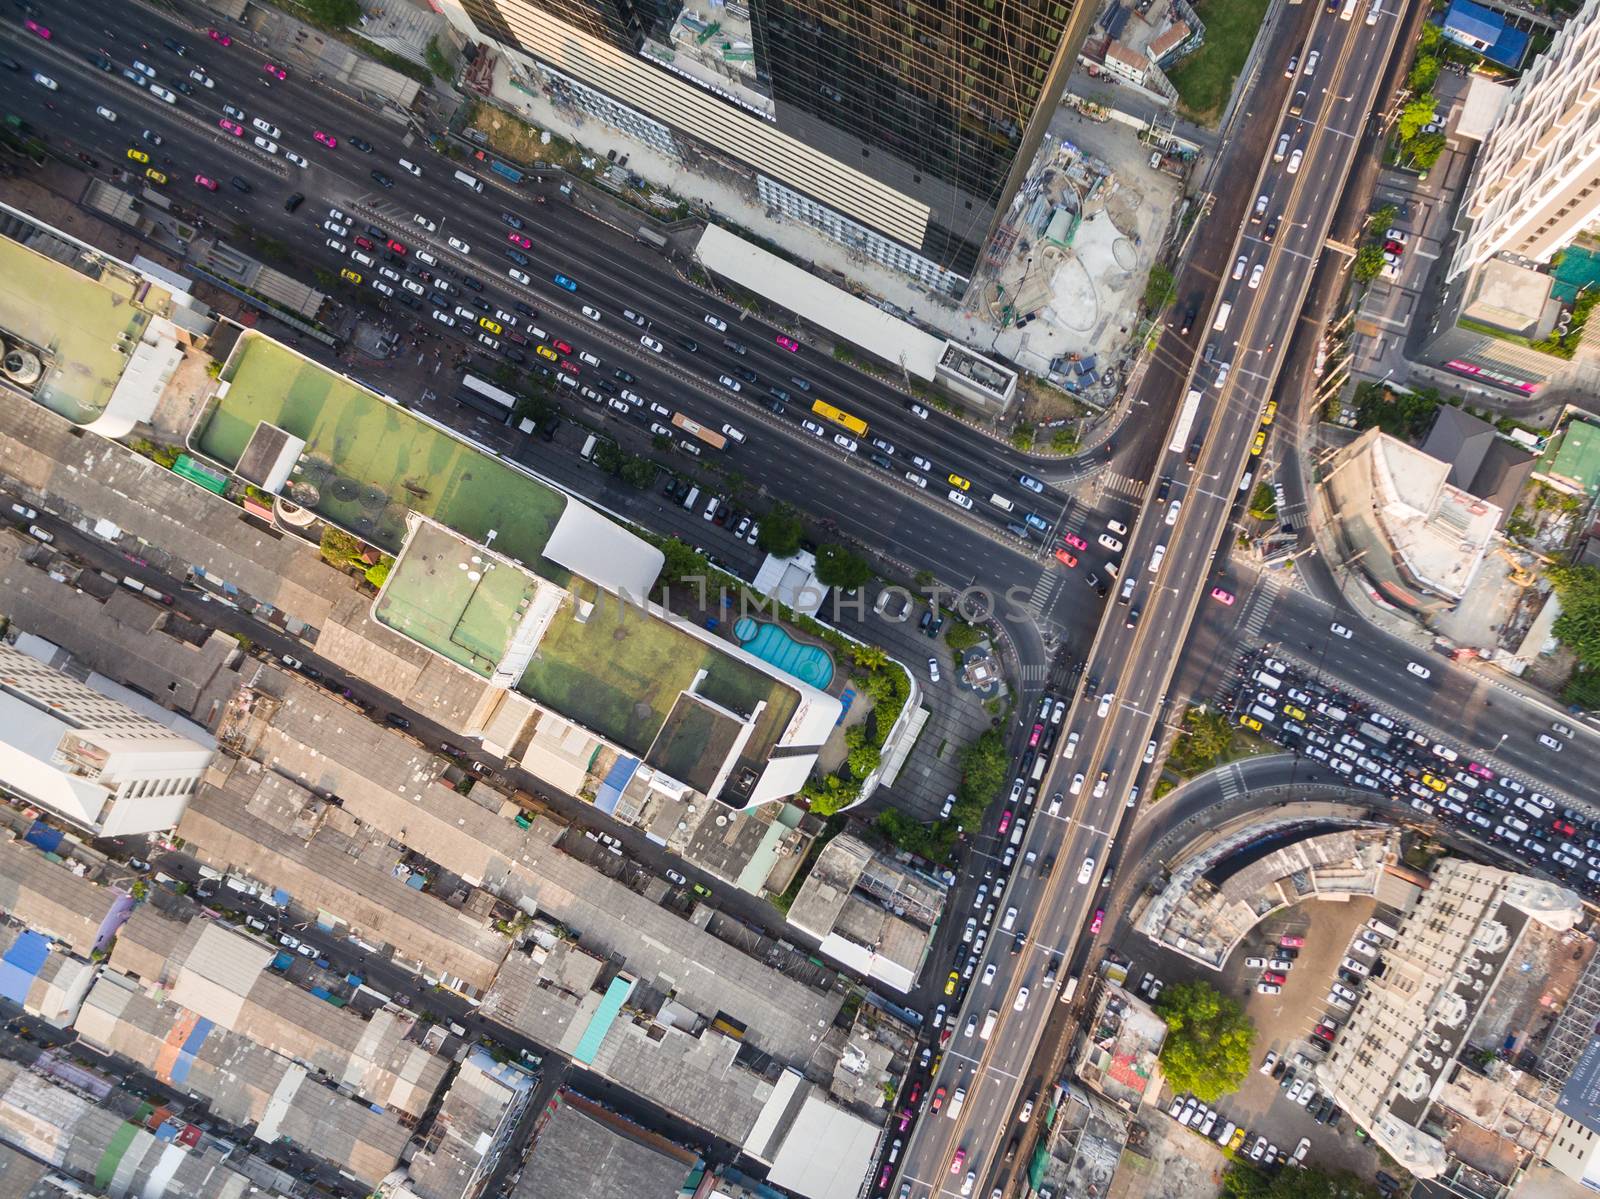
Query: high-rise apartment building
point(1399, 1044)
point(87, 759)
point(1536, 182)
point(903, 129)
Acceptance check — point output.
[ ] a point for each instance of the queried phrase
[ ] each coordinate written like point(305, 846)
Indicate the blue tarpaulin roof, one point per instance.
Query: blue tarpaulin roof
point(22, 964)
point(45, 837)
point(610, 792)
point(600, 1023)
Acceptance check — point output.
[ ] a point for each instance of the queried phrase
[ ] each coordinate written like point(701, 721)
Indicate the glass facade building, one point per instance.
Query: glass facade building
point(916, 119)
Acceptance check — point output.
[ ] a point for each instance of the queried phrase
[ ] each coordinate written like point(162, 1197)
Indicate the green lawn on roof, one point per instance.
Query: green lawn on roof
point(372, 461)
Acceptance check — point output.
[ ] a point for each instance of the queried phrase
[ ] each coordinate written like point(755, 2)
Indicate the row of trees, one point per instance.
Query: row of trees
point(985, 772)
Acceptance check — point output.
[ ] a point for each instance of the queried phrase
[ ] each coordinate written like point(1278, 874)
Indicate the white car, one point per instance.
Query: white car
point(1086, 871)
point(267, 127)
point(651, 343)
point(163, 93)
point(1418, 669)
point(816, 430)
point(1172, 511)
point(1295, 160)
point(717, 323)
point(845, 443)
point(201, 78)
point(419, 219)
point(1298, 1089)
point(1338, 630)
point(961, 499)
point(1110, 542)
point(1239, 266)
point(296, 159)
point(1022, 999)
point(519, 277)
point(988, 974)
point(1261, 267)
point(444, 318)
point(592, 313)
point(730, 382)
point(271, 147)
point(1077, 784)
point(1071, 746)
point(459, 246)
point(382, 288)
point(105, 112)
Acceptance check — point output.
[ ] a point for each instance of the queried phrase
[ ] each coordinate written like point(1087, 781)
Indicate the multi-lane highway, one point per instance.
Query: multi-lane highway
point(914, 524)
point(1167, 569)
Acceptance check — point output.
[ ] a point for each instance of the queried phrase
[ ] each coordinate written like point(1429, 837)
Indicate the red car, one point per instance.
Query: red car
point(787, 343)
point(1005, 821)
point(1099, 919)
point(1323, 1032)
point(1076, 542)
point(1564, 827)
point(33, 26)
point(219, 37)
point(397, 247)
point(561, 346)
point(364, 242)
point(1482, 771)
point(327, 139)
point(517, 239)
point(570, 367)
point(275, 71)
point(236, 130)
point(209, 184)
point(1222, 595)
point(1292, 942)
point(937, 1101)
point(1065, 558)
point(1273, 977)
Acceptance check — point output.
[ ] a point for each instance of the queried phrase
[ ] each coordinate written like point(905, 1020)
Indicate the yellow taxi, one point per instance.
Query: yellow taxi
point(138, 155)
point(1260, 443)
point(1236, 1139)
point(1251, 723)
point(154, 175)
point(959, 482)
point(1270, 411)
point(492, 326)
point(347, 273)
point(950, 983)
point(1429, 780)
point(1291, 710)
point(546, 352)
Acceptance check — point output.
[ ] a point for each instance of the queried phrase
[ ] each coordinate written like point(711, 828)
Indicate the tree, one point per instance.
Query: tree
point(1244, 1180)
point(868, 657)
point(339, 547)
point(838, 567)
point(638, 472)
point(1423, 74)
point(1403, 414)
point(781, 532)
point(607, 455)
point(378, 572)
point(438, 61)
point(683, 561)
point(1209, 1038)
point(1416, 113)
point(339, 14)
point(830, 794)
point(962, 636)
point(985, 767)
point(1368, 262)
point(1578, 626)
point(1204, 741)
point(1263, 504)
point(1157, 288)
point(1425, 149)
point(533, 406)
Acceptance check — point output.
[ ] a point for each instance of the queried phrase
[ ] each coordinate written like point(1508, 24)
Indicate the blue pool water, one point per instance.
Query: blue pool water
point(808, 663)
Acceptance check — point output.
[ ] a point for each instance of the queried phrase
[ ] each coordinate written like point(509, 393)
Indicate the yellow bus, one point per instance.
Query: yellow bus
point(840, 417)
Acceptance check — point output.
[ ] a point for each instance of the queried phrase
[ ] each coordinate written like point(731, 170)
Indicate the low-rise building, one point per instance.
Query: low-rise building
point(1391, 1062)
point(1122, 1047)
point(56, 898)
point(871, 915)
point(221, 975)
point(243, 1083)
point(87, 759)
point(467, 1138)
point(581, 1150)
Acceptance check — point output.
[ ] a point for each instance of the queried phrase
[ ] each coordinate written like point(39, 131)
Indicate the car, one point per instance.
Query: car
point(1272, 976)
point(1066, 559)
point(154, 175)
point(459, 246)
point(787, 343)
point(1268, 1062)
point(1222, 595)
point(1338, 630)
point(206, 182)
point(950, 983)
point(1418, 669)
point(1295, 160)
point(396, 247)
point(1021, 1000)
point(960, 500)
point(1549, 742)
point(564, 282)
point(37, 29)
point(1086, 871)
point(273, 69)
point(296, 159)
point(933, 669)
point(1259, 444)
point(655, 346)
point(989, 972)
point(1099, 919)
point(326, 139)
point(231, 127)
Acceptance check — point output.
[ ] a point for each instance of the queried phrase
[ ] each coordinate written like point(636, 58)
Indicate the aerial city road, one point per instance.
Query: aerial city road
point(780, 602)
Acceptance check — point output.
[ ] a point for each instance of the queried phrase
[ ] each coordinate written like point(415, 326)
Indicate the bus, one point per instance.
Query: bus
point(1180, 432)
point(695, 429)
point(486, 397)
point(840, 417)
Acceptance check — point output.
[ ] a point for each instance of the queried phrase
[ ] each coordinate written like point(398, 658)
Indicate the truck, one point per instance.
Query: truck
point(1071, 989)
point(695, 429)
point(953, 1109)
point(1373, 733)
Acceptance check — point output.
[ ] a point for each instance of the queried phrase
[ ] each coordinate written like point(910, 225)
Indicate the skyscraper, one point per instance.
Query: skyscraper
point(1536, 181)
point(900, 127)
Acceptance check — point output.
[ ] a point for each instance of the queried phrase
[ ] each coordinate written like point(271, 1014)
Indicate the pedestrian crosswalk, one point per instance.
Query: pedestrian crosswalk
point(1122, 485)
point(1043, 591)
point(1259, 606)
point(1232, 788)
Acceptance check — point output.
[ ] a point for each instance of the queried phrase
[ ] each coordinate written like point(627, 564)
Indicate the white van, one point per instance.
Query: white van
point(988, 1027)
point(471, 181)
point(1039, 768)
point(537, 334)
point(1000, 502)
point(1017, 830)
point(1224, 311)
point(733, 434)
point(1261, 714)
point(688, 500)
point(1374, 12)
point(1348, 11)
point(588, 448)
point(1267, 680)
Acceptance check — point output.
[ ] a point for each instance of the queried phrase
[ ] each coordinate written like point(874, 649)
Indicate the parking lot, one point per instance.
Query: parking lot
point(1262, 1107)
